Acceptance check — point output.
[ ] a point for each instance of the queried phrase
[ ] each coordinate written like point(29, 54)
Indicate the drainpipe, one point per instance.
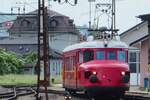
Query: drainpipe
point(148, 53)
point(139, 64)
point(148, 41)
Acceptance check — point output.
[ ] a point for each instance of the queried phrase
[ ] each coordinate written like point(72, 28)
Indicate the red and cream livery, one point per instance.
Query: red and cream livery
point(96, 67)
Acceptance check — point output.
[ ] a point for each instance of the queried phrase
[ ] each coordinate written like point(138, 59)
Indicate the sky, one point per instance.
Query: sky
point(126, 10)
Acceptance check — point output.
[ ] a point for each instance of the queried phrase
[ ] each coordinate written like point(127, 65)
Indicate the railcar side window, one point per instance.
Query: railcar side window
point(112, 55)
point(100, 55)
point(80, 57)
point(122, 56)
point(88, 55)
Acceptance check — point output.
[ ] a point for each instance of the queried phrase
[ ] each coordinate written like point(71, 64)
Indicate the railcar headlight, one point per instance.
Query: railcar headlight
point(87, 74)
point(94, 72)
point(123, 73)
point(67, 97)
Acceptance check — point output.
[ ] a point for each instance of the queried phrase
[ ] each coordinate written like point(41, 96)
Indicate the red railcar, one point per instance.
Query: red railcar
point(96, 67)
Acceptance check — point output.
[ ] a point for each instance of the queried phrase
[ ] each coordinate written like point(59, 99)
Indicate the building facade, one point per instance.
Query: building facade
point(23, 33)
point(137, 38)
point(62, 31)
point(23, 36)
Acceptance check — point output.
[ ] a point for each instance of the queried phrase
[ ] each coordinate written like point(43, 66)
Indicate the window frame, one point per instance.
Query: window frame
point(136, 62)
point(104, 51)
point(125, 54)
point(81, 57)
point(116, 58)
point(89, 50)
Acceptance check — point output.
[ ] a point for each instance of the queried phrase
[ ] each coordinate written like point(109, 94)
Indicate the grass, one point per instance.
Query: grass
point(57, 79)
point(24, 80)
point(19, 80)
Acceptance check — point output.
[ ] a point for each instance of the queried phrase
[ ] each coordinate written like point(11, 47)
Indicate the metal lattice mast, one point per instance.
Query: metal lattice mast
point(113, 14)
point(43, 48)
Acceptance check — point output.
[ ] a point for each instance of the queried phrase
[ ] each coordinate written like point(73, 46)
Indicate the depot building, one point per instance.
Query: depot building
point(137, 38)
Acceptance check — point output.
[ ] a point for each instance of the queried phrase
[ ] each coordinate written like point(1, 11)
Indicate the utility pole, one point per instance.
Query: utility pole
point(90, 11)
point(43, 49)
point(113, 15)
point(90, 15)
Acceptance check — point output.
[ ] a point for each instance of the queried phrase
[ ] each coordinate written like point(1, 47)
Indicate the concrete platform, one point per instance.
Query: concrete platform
point(136, 91)
point(56, 88)
point(137, 88)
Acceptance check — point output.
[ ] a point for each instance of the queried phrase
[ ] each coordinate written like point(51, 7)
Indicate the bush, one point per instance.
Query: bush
point(10, 63)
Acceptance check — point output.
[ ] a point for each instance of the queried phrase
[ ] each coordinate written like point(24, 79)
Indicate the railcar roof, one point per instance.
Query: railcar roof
point(96, 44)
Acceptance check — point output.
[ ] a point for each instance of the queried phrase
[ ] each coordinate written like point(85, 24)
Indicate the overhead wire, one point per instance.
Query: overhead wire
point(71, 4)
point(102, 12)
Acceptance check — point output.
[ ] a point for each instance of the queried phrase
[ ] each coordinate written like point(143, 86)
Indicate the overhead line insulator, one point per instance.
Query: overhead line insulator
point(76, 1)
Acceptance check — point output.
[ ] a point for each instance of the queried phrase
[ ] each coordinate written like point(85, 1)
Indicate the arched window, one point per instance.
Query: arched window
point(53, 23)
point(25, 23)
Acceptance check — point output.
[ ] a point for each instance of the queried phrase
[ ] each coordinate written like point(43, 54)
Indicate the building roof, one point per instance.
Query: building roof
point(132, 28)
point(141, 39)
point(145, 17)
point(51, 13)
point(18, 40)
point(96, 44)
point(4, 18)
point(55, 54)
point(136, 33)
point(57, 23)
point(6, 22)
point(131, 48)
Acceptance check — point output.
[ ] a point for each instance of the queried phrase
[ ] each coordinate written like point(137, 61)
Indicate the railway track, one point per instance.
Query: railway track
point(81, 96)
point(137, 96)
point(16, 92)
point(128, 96)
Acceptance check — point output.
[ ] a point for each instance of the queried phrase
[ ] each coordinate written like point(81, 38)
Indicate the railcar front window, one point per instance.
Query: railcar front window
point(88, 55)
point(112, 55)
point(100, 55)
point(122, 56)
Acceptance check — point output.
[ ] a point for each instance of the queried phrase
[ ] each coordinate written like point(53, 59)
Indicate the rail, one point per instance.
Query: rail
point(17, 92)
point(25, 91)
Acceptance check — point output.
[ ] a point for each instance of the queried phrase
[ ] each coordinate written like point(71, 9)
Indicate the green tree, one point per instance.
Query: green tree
point(30, 58)
point(10, 63)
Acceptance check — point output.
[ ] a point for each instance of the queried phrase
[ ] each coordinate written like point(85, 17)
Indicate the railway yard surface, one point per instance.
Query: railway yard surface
point(58, 93)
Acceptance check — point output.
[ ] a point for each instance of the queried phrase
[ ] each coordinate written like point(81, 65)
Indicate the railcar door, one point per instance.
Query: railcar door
point(78, 73)
point(73, 72)
point(70, 71)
